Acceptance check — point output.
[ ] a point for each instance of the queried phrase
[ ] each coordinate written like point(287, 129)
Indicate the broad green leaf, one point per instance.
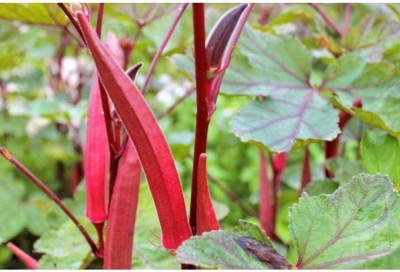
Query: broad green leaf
point(65, 248)
point(358, 222)
point(277, 124)
point(318, 187)
point(233, 249)
point(34, 13)
point(275, 65)
point(380, 153)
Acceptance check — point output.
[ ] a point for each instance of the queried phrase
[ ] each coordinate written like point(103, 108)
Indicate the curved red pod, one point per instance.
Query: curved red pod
point(151, 145)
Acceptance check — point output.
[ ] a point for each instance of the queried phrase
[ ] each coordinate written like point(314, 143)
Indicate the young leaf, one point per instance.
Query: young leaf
point(244, 247)
point(150, 142)
point(360, 221)
point(380, 153)
point(119, 239)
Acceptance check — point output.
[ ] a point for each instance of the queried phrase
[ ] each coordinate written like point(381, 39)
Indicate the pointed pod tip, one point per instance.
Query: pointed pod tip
point(132, 72)
point(28, 260)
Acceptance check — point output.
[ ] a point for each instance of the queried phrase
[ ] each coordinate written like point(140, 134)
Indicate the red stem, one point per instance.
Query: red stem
point(269, 194)
point(53, 197)
point(346, 19)
point(202, 98)
point(306, 171)
point(327, 19)
point(162, 46)
point(332, 147)
point(278, 166)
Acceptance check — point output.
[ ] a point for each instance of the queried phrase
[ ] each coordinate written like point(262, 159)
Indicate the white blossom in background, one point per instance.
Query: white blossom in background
point(285, 28)
point(321, 53)
point(171, 90)
point(70, 72)
point(35, 124)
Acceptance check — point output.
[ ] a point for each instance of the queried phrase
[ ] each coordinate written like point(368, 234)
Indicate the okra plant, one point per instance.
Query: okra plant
point(231, 136)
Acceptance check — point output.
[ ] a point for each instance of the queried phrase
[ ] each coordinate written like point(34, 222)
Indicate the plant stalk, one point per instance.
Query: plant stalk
point(202, 99)
point(162, 46)
point(53, 197)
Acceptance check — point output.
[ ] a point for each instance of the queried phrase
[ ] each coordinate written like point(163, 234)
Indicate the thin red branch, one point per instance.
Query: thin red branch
point(162, 46)
point(327, 18)
point(71, 18)
point(346, 19)
point(52, 196)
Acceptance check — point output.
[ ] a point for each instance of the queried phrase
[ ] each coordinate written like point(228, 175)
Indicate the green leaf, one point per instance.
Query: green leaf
point(360, 221)
point(391, 261)
point(368, 37)
point(349, 80)
point(318, 187)
point(65, 248)
point(37, 14)
point(382, 113)
point(380, 153)
point(344, 170)
point(275, 66)
point(279, 123)
point(240, 248)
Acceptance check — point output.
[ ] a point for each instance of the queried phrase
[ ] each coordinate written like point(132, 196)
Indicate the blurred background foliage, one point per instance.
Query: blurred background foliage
point(45, 76)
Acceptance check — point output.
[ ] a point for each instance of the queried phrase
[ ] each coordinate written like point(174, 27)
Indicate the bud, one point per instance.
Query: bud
point(76, 7)
point(220, 39)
